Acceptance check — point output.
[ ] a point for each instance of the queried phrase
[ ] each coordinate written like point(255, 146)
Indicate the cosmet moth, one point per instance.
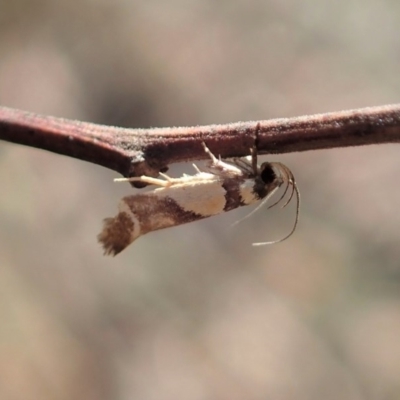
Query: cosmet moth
point(221, 186)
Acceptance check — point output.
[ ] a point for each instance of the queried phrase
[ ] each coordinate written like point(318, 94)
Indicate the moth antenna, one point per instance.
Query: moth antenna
point(290, 197)
point(289, 178)
point(295, 190)
point(290, 182)
point(281, 198)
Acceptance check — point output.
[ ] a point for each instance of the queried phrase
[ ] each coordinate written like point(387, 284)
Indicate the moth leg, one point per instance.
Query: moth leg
point(219, 167)
point(196, 168)
point(149, 180)
point(254, 150)
point(244, 165)
point(253, 153)
point(217, 163)
point(214, 159)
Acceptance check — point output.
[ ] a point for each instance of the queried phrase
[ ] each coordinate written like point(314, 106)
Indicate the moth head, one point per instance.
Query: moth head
point(270, 177)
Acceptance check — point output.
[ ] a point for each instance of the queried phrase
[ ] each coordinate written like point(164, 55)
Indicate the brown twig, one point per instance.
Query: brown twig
point(135, 152)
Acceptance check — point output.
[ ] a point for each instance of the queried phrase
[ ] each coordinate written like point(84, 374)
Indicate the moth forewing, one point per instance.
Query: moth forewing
point(176, 201)
point(174, 204)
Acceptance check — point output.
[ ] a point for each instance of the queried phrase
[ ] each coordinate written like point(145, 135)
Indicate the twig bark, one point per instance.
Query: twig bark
point(135, 152)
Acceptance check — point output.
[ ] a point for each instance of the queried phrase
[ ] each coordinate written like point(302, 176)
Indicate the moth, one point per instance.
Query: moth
point(221, 186)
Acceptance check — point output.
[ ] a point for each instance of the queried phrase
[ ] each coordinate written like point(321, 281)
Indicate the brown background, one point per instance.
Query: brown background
point(195, 312)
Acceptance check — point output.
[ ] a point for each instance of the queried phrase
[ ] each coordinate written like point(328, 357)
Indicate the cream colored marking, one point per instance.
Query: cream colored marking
point(261, 204)
point(204, 197)
point(123, 207)
point(247, 193)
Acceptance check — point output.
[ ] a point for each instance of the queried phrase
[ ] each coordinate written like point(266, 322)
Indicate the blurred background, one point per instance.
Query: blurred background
point(195, 312)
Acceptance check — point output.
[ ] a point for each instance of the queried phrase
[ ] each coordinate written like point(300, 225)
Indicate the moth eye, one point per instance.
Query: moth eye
point(267, 173)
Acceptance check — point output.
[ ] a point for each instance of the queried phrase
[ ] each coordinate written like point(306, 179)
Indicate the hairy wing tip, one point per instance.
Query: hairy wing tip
point(116, 234)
